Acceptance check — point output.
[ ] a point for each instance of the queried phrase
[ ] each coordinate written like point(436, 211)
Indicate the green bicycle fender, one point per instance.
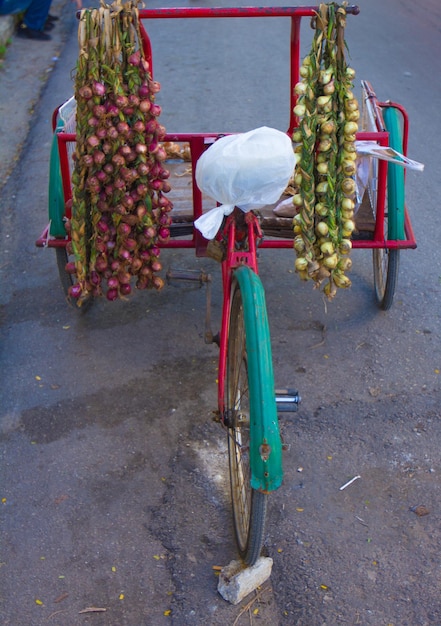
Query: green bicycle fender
point(56, 196)
point(395, 178)
point(266, 469)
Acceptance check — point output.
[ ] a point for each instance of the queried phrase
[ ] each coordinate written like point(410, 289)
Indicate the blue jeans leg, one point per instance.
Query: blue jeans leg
point(36, 15)
point(11, 7)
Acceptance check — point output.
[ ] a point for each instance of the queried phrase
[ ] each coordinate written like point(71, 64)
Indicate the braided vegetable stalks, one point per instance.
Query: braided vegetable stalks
point(119, 211)
point(326, 153)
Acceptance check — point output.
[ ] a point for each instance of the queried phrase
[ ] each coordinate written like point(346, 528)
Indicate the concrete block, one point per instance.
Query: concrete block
point(7, 28)
point(236, 580)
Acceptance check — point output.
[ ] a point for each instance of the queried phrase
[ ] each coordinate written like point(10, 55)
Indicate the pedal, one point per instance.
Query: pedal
point(197, 276)
point(287, 400)
point(202, 278)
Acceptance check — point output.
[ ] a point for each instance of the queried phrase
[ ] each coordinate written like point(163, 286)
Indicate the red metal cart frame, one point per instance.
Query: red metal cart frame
point(200, 141)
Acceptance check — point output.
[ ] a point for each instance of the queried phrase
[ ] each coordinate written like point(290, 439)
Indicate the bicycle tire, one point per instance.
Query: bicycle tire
point(245, 390)
point(56, 206)
point(67, 280)
point(386, 266)
point(386, 260)
point(395, 177)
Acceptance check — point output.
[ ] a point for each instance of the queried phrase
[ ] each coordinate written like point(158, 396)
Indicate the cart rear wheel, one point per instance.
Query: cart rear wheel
point(249, 505)
point(67, 280)
point(386, 264)
point(386, 260)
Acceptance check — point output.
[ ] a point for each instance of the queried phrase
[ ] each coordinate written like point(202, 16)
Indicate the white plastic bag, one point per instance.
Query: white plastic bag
point(372, 148)
point(248, 170)
point(366, 151)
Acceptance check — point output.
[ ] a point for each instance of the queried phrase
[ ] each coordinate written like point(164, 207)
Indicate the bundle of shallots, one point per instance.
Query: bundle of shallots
point(119, 212)
point(325, 172)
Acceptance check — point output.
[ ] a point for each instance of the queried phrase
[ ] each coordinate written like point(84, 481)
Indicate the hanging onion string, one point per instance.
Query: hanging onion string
point(119, 210)
point(325, 169)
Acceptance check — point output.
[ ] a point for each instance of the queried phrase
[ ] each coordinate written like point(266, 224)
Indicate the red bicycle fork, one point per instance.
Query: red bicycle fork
point(241, 250)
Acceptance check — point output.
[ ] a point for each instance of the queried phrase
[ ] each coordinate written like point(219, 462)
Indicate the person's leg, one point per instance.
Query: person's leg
point(36, 15)
point(11, 7)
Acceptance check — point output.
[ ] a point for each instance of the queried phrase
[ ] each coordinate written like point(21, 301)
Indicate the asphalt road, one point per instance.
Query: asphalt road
point(113, 486)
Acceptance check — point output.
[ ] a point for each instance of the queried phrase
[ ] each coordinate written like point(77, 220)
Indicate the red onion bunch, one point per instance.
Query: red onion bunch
point(120, 211)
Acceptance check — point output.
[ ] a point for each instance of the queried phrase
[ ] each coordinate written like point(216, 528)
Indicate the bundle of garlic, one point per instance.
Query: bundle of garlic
point(119, 211)
point(325, 170)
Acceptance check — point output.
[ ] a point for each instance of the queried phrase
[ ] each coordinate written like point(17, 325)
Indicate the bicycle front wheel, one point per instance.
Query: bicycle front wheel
point(249, 505)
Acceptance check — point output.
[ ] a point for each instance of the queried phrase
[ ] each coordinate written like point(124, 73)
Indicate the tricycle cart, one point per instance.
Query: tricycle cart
point(247, 400)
